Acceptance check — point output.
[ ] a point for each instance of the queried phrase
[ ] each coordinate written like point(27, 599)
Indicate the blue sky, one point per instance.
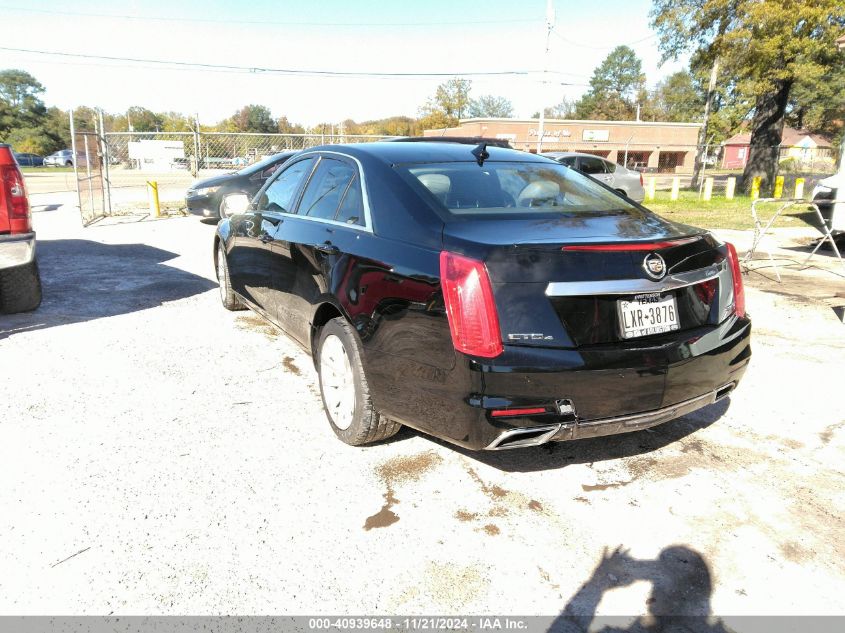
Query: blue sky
point(400, 36)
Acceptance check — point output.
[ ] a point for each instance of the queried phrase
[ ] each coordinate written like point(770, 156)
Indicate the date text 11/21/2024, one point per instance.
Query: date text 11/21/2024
point(421, 623)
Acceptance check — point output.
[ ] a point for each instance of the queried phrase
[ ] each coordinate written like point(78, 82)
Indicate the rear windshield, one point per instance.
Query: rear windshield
point(514, 189)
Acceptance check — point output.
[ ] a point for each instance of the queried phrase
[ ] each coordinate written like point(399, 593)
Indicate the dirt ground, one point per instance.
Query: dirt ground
point(163, 456)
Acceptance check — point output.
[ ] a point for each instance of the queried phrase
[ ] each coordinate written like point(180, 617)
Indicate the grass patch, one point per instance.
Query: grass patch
point(719, 213)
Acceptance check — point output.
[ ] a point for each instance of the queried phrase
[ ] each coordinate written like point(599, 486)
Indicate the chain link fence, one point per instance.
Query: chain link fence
point(115, 172)
point(173, 160)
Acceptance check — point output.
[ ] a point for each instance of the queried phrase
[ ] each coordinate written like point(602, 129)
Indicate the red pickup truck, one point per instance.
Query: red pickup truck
point(20, 282)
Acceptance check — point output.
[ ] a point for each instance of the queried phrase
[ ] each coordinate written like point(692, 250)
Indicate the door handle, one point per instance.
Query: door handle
point(328, 248)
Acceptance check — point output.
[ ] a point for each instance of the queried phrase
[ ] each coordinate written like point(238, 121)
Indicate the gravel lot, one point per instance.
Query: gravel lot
point(164, 456)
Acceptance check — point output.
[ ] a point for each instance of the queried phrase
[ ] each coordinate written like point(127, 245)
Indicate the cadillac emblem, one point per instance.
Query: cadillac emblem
point(654, 266)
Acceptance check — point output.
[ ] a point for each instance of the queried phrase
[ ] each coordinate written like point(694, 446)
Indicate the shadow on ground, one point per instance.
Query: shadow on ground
point(561, 454)
point(680, 597)
point(85, 280)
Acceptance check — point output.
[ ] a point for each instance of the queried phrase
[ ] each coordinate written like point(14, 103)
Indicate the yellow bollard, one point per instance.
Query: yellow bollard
point(152, 195)
point(778, 187)
point(676, 186)
point(708, 189)
point(730, 187)
point(755, 187)
point(799, 188)
point(650, 188)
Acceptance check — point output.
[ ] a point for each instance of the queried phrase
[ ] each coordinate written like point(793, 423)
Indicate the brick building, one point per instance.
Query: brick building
point(656, 146)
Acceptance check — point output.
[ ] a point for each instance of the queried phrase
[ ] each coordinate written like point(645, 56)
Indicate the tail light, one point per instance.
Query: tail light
point(641, 179)
point(514, 413)
point(13, 200)
point(736, 273)
point(470, 307)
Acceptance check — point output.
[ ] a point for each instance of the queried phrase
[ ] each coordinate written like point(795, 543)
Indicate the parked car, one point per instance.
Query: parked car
point(29, 160)
point(62, 158)
point(212, 197)
point(628, 182)
point(829, 196)
point(489, 297)
point(20, 282)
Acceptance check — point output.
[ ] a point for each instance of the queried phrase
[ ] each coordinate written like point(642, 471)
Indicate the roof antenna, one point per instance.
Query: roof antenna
point(481, 154)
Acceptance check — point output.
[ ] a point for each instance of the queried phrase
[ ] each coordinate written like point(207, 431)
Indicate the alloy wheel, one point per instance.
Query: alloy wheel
point(338, 382)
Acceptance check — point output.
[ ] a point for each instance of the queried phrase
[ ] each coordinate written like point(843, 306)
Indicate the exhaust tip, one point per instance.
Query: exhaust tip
point(724, 391)
point(520, 438)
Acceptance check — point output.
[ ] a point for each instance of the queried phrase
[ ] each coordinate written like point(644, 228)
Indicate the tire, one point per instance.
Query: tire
point(357, 422)
point(69, 163)
point(20, 288)
point(622, 192)
point(227, 296)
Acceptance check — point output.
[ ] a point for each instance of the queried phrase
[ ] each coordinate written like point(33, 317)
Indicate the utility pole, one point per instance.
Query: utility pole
point(702, 135)
point(550, 24)
point(195, 164)
point(840, 45)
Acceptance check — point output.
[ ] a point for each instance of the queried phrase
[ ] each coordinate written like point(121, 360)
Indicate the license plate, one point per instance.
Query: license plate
point(645, 314)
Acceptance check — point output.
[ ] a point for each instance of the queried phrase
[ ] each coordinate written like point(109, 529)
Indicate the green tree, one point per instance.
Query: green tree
point(677, 98)
point(20, 101)
point(563, 110)
point(819, 106)
point(614, 87)
point(176, 122)
point(254, 118)
point(490, 106)
point(283, 126)
point(448, 105)
point(765, 47)
point(140, 119)
point(31, 139)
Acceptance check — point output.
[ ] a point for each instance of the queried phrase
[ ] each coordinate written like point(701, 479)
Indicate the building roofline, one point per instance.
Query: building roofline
point(577, 121)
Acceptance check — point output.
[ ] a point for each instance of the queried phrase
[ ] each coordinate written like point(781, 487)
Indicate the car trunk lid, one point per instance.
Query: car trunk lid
point(572, 282)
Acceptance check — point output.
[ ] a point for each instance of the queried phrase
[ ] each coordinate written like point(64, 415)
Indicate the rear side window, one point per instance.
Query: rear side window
point(514, 189)
point(352, 206)
point(326, 188)
point(609, 167)
point(590, 165)
point(281, 193)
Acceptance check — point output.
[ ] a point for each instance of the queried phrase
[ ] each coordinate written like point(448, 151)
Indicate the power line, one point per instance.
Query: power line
point(603, 48)
point(263, 22)
point(278, 71)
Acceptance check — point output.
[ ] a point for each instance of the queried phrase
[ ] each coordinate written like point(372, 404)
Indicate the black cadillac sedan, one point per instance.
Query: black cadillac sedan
point(486, 296)
point(219, 196)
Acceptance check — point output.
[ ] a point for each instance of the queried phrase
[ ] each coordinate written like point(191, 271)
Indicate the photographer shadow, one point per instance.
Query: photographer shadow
point(681, 590)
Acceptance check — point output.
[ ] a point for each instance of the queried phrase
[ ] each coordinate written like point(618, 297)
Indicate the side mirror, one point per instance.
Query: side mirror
point(236, 203)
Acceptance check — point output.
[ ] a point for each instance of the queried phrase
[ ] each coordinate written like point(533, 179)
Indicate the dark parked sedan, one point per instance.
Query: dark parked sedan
point(223, 195)
point(489, 297)
point(29, 160)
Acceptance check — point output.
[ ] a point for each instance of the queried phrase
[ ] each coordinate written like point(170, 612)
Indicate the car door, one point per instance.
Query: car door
point(308, 245)
point(252, 235)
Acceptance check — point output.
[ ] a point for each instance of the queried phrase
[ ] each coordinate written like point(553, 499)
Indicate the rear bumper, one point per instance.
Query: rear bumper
point(614, 388)
point(576, 430)
point(16, 250)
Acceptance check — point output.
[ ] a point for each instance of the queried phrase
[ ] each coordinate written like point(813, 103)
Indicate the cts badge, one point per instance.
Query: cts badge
point(654, 266)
